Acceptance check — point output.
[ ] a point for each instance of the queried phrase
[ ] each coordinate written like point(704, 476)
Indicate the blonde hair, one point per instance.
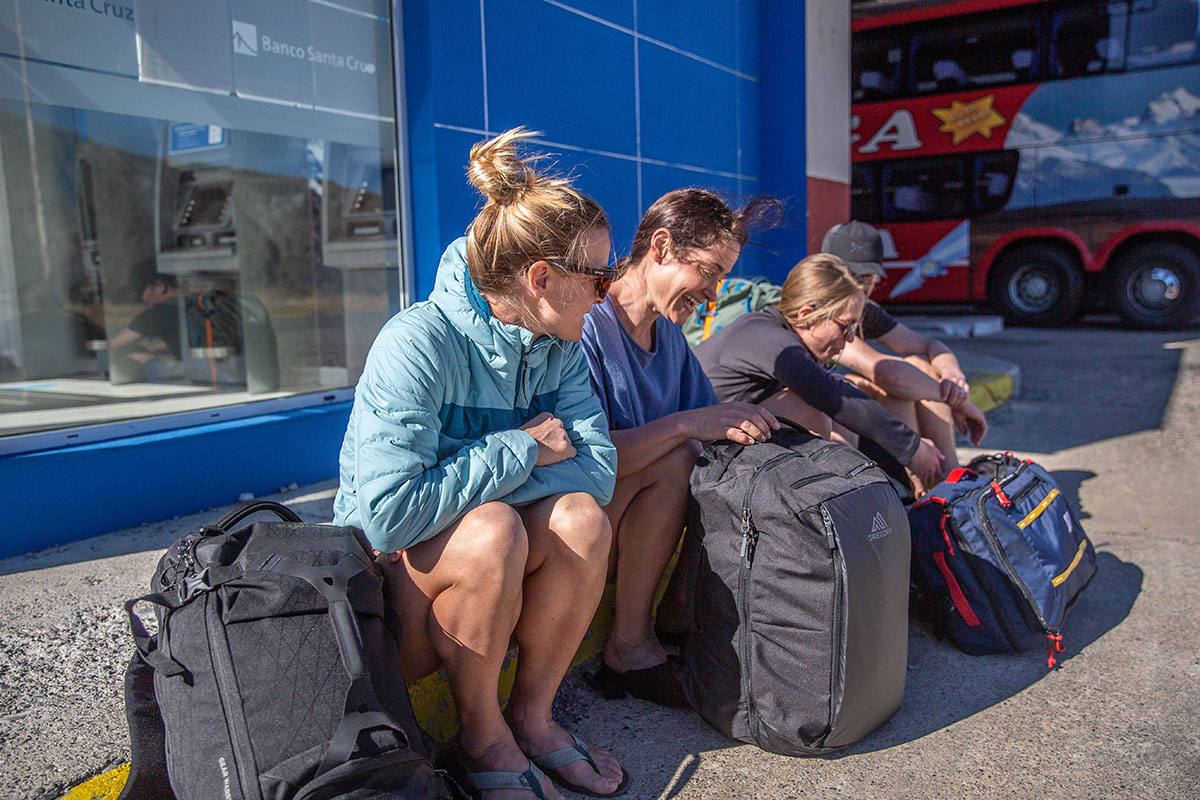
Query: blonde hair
point(821, 281)
point(529, 215)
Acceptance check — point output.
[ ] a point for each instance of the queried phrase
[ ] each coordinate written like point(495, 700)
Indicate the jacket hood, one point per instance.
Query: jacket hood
point(455, 294)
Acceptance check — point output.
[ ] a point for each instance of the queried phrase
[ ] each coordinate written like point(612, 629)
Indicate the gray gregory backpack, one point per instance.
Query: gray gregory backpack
point(797, 562)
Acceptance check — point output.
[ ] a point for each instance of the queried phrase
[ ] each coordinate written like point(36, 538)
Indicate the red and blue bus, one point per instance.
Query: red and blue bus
point(1043, 156)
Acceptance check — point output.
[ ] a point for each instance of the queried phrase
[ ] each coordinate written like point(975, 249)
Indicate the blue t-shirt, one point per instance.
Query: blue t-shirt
point(635, 385)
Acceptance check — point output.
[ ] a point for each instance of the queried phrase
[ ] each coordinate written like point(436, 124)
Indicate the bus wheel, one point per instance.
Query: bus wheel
point(1037, 285)
point(1157, 285)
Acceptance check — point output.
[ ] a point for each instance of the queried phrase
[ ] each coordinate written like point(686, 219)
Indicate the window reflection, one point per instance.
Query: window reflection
point(151, 264)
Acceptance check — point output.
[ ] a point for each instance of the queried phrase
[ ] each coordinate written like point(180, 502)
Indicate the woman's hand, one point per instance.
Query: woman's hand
point(953, 394)
point(926, 463)
point(554, 445)
point(744, 423)
point(970, 421)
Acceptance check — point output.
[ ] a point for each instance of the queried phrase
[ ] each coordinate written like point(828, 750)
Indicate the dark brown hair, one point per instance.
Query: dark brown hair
point(698, 219)
point(529, 215)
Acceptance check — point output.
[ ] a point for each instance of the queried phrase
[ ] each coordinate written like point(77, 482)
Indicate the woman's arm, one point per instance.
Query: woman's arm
point(404, 493)
point(593, 467)
point(844, 403)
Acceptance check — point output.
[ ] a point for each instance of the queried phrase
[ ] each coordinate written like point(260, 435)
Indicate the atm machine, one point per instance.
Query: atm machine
point(197, 243)
point(359, 239)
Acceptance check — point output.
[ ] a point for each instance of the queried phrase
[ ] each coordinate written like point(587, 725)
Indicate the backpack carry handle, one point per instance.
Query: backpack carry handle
point(253, 507)
point(794, 425)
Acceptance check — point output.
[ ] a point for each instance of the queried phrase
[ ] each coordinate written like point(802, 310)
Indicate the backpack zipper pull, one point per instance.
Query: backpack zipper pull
point(1054, 644)
point(748, 538)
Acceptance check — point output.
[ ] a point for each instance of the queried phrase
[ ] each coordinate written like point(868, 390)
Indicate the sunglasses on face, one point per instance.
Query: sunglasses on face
point(603, 277)
point(849, 329)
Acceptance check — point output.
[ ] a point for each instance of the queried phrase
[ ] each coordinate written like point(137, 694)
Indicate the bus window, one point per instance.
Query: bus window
point(862, 193)
point(974, 52)
point(1162, 32)
point(875, 64)
point(994, 174)
point(923, 190)
point(1088, 40)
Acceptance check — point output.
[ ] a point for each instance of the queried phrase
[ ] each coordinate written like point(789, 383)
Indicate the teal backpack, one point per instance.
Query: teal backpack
point(735, 296)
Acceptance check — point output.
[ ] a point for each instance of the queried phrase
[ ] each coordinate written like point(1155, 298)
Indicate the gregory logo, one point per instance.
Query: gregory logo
point(879, 527)
point(245, 38)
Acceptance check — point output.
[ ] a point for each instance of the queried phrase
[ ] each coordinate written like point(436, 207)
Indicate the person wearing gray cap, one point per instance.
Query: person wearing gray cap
point(922, 383)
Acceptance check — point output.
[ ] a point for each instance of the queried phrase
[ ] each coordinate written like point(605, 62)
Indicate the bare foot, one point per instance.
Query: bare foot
point(623, 655)
point(539, 735)
point(501, 755)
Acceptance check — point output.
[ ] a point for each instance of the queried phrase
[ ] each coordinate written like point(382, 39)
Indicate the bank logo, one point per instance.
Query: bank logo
point(245, 38)
point(879, 527)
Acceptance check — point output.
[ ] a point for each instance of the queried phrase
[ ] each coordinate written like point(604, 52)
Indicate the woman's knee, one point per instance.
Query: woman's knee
point(677, 465)
point(490, 542)
point(581, 524)
point(922, 363)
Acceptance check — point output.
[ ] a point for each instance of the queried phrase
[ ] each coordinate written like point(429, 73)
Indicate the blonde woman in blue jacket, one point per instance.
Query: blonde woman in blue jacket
point(477, 460)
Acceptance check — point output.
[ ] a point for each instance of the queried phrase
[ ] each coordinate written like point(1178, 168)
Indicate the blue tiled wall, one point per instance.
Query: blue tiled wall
point(635, 98)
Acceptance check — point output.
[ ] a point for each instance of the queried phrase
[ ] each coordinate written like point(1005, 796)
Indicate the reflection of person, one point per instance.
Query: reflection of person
point(776, 357)
point(660, 407)
point(153, 339)
point(923, 383)
point(477, 459)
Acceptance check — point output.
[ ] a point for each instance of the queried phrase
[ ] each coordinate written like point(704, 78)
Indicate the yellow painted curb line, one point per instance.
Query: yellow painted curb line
point(101, 787)
point(990, 390)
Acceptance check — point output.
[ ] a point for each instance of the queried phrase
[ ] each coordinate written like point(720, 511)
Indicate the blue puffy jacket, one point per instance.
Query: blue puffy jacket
point(434, 428)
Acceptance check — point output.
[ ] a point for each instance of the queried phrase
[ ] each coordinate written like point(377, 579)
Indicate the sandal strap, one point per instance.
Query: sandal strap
point(557, 759)
point(530, 780)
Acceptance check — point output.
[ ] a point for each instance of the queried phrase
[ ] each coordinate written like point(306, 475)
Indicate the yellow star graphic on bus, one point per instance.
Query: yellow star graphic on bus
point(964, 119)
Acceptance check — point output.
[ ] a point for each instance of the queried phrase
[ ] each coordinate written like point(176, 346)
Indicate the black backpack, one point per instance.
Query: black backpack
point(274, 673)
point(797, 560)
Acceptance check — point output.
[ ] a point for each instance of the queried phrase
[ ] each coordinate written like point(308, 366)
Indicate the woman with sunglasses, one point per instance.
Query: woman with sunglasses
point(781, 356)
point(660, 408)
point(477, 460)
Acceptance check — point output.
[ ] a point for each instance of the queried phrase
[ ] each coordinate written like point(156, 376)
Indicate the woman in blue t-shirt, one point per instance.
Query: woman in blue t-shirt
point(660, 407)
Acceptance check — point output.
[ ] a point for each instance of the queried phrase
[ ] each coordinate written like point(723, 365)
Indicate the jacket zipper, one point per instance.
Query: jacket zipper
point(235, 716)
point(836, 627)
point(524, 394)
point(749, 544)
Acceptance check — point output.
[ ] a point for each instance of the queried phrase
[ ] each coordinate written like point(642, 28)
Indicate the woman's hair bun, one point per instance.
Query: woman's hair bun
point(498, 172)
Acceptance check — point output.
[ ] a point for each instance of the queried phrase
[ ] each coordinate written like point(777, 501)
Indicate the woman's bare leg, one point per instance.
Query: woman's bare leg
point(789, 405)
point(934, 420)
point(459, 598)
point(647, 514)
point(569, 541)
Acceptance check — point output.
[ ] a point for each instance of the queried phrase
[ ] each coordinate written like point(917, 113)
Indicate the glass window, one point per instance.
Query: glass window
point(993, 180)
point(1088, 39)
point(176, 235)
point(875, 64)
point(975, 51)
point(863, 189)
point(923, 189)
point(1162, 32)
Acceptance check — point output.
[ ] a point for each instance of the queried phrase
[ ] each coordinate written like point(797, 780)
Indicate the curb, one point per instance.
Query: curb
point(433, 707)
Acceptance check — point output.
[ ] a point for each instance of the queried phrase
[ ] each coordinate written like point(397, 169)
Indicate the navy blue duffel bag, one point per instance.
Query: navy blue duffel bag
point(998, 557)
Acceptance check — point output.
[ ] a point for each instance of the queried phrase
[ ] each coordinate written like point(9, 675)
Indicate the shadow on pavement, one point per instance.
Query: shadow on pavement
point(945, 685)
point(1124, 390)
point(1069, 481)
